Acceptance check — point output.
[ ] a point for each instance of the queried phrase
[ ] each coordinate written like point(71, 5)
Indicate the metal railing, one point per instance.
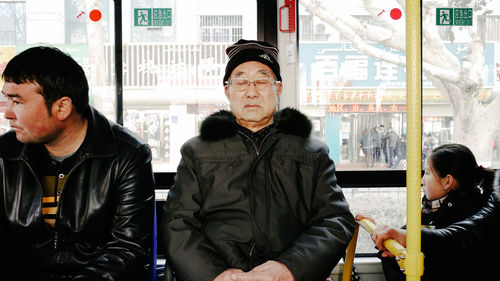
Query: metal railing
point(169, 65)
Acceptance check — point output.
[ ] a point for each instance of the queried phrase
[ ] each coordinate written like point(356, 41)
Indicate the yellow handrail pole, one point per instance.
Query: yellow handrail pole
point(414, 260)
point(390, 244)
point(349, 256)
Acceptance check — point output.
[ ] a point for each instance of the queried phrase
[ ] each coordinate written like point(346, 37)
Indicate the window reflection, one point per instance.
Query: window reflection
point(353, 79)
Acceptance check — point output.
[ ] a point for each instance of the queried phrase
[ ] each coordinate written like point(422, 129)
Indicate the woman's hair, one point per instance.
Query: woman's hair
point(457, 160)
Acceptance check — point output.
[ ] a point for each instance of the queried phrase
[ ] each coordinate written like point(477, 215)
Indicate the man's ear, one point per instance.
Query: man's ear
point(62, 108)
point(279, 89)
point(226, 91)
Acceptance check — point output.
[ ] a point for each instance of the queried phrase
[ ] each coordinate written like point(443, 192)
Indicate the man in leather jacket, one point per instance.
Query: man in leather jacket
point(76, 190)
point(255, 197)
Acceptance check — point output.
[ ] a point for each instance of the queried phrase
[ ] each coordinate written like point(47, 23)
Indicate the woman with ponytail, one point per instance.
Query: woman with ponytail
point(455, 188)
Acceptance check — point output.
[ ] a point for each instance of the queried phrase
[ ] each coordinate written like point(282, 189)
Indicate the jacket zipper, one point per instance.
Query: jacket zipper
point(253, 143)
point(251, 253)
point(55, 240)
point(56, 234)
point(36, 179)
point(257, 150)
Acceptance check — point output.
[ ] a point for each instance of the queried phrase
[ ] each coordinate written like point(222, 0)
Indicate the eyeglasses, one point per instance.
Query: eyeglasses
point(242, 84)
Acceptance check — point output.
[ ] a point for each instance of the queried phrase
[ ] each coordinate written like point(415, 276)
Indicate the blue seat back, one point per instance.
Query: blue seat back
point(154, 249)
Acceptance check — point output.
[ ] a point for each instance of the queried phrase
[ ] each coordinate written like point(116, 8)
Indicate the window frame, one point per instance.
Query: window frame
point(267, 30)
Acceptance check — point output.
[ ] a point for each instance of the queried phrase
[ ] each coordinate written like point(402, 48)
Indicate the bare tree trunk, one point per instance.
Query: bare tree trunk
point(95, 40)
point(476, 131)
point(102, 96)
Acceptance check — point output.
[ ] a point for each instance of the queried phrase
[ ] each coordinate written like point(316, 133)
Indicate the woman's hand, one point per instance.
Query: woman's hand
point(384, 232)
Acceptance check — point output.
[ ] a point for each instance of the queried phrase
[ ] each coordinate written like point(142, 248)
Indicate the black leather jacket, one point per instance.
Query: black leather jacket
point(105, 213)
point(237, 204)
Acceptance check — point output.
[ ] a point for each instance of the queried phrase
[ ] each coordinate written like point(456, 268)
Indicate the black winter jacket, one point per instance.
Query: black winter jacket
point(470, 245)
point(448, 254)
point(237, 205)
point(104, 216)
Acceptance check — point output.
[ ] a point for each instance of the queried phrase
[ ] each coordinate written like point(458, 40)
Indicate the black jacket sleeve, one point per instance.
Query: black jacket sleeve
point(125, 254)
point(466, 237)
point(329, 229)
point(4, 261)
point(185, 245)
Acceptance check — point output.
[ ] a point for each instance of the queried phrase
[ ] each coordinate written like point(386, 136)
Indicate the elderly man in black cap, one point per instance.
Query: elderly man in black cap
point(255, 197)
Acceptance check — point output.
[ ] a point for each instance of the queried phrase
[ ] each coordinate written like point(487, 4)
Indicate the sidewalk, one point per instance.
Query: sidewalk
point(346, 166)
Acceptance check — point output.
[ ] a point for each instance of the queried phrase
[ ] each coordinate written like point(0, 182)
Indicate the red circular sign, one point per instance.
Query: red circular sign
point(95, 15)
point(395, 14)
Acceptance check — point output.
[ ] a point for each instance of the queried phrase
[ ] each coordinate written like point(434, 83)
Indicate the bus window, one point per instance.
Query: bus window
point(173, 57)
point(353, 79)
point(389, 210)
point(173, 67)
point(78, 28)
point(353, 83)
point(461, 78)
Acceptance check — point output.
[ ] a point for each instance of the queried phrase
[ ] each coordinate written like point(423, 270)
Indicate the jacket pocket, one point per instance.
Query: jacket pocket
point(220, 173)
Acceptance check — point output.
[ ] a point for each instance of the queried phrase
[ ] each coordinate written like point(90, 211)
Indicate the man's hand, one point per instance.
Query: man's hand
point(268, 271)
point(226, 275)
point(361, 216)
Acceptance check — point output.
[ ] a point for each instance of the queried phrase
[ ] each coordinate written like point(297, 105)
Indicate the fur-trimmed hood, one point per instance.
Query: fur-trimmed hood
point(222, 124)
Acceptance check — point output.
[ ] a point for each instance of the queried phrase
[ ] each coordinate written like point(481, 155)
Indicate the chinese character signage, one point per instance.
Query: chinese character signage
point(454, 16)
point(153, 17)
point(162, 17)
point(340, 65)
point(366, 108)
point(462, 16)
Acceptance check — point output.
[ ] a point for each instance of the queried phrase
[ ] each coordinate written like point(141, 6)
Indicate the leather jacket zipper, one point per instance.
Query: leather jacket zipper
point(56, 234)
point(55, 239)
point(36, 179)
point(84, 157)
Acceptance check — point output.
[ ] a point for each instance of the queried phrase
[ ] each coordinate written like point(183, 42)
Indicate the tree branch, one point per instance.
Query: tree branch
point(383, 20)
point(362, 34)
point(349, 26)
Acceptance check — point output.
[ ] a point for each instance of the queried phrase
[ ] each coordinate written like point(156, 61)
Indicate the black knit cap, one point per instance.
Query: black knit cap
point(251, 50)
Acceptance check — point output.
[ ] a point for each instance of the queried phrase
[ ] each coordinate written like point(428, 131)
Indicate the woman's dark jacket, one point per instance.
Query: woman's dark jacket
point(235, 204)
point(448, 256)
point(105, 213)
point(472, 243)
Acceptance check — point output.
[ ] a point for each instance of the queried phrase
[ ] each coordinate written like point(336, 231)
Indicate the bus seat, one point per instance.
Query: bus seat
point(154, 249)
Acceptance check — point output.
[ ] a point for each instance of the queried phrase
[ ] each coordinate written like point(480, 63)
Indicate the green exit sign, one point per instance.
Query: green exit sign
point(153, 17)
point(454, 16)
